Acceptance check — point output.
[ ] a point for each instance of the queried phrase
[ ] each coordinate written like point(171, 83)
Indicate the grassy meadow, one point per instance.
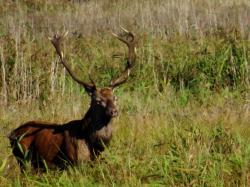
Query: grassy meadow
point(184, 114)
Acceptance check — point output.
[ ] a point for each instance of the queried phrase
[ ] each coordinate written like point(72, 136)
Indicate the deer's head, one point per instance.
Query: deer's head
point(103, 100)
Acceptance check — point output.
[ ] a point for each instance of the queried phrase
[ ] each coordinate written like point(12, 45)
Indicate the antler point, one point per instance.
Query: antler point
point(114, 34)
point(66, 33)
point(125, 30)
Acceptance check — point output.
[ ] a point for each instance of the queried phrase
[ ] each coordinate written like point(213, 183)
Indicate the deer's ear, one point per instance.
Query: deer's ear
point(90, 89)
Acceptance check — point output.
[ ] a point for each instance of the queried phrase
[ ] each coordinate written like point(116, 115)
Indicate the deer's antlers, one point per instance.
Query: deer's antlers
point(56, 41)
point(128, 38)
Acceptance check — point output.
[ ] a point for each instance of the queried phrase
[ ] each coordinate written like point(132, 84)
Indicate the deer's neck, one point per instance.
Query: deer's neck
point(98, 131)
point(95, 120)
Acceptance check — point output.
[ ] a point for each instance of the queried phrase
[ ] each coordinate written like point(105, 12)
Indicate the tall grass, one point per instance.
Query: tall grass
point(201, 67)
point(189, 18)
point(184, 113)
point(156, 141)
point(189, 43)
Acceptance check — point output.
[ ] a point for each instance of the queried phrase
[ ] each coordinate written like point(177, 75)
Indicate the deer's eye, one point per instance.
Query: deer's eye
point(99, 101)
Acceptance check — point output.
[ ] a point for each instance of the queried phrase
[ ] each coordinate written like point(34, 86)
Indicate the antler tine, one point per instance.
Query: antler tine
point(129, 33)
point(120, 38)
point(65, 34)
point(56, 41)
point(131, 56)
point(125, 30)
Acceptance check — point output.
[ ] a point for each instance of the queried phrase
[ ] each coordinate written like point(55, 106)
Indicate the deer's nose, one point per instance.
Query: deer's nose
point(113, 112)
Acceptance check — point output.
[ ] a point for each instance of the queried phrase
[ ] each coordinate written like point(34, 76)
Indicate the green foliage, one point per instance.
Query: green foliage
point(213, 65)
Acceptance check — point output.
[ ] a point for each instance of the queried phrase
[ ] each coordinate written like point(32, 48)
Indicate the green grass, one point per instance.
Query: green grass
point(184, 113)
point(156, 142)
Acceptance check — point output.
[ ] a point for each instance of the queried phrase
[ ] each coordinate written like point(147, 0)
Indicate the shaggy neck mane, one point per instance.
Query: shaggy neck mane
point(95, 120)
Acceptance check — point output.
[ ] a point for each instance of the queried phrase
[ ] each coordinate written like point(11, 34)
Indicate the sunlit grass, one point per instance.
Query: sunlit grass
point(173, 145)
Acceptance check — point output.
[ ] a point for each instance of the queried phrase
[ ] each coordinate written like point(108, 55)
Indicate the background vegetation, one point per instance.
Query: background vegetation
point(185, 112)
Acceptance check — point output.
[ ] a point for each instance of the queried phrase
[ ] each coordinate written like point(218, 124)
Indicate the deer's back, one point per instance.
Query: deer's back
point(52, 142)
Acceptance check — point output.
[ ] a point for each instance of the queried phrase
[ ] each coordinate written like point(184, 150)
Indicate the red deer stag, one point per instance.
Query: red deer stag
point(79, 140)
